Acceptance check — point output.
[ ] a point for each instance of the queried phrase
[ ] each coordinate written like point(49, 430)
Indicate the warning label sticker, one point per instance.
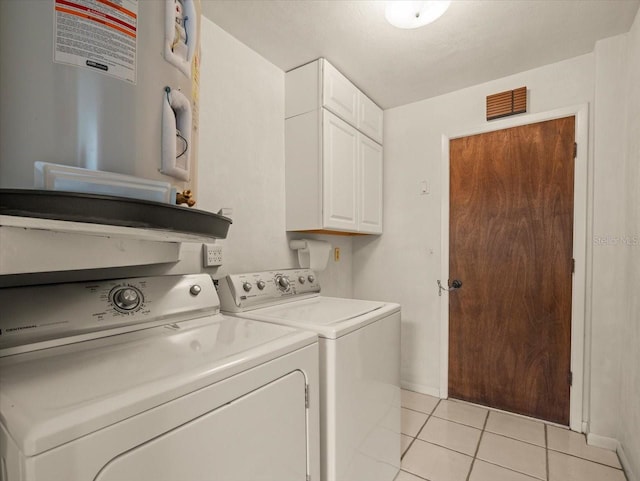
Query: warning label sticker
point(100, 35)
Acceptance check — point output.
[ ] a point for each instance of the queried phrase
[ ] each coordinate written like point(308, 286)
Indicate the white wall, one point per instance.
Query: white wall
point(615, 357)
point(404, 264)
point(242, 167)
point(241, 160)
point(608, 223)
point(629, 412)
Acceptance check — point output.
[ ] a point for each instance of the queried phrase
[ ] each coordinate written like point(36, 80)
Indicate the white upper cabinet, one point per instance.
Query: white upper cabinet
point(319, 84)
point(333, 153)
point(370, 118)
point(333, 176)
point(370, 189)
point(340, 174)
point(339, 95)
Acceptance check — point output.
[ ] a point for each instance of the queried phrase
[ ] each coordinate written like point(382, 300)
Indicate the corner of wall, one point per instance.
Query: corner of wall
point(629, 420)
point(607, 306)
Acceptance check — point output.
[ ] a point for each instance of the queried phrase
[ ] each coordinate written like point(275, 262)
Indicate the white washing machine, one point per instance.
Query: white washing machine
point(359, 366)
point(143, 380)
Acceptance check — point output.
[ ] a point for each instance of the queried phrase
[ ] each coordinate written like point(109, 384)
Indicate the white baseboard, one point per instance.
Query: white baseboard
point(585, 427)
point(602, 442)
point(613, 445)
point(625, 464)
point(410, 386)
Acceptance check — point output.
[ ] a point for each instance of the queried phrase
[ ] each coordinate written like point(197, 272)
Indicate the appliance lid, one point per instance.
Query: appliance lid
point(53, 396)
point(330, 317)
point(322, 311)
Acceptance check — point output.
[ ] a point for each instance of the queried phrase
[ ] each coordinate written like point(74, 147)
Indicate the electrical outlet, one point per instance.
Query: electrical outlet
point(212, 255)
point(336, 254)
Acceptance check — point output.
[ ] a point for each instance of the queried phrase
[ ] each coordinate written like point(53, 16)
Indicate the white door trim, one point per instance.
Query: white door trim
point(579, 287)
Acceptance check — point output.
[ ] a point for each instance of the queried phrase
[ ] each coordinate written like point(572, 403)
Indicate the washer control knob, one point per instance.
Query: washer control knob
point(261, 284)
point(126, 299)
point(195, 290)
point(302, 279)
point(283, 282)
point(311, 278)
point(246, 285)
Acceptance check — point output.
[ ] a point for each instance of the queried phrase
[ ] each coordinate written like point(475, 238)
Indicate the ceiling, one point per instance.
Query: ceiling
point(474, 42)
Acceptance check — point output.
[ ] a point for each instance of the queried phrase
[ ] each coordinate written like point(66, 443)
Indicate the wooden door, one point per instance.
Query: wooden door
point(511, 236)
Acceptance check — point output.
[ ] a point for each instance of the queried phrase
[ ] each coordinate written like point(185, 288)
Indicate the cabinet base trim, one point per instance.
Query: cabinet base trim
point(330, 232)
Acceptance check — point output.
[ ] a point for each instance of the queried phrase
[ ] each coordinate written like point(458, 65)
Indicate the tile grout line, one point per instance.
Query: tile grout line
point(473, 460)
point(583, 458)
point(546, 449)
point(416, 437)
point(444, 447)
point(516, 439)
point(417, 476)
point(577, 456)
point(508, 413)
point(426, 421)
point(417, 410)
point(528, 475)
point(458, 422)
point(413, 438)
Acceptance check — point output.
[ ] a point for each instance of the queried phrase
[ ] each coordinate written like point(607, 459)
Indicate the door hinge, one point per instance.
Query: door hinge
point(575, 150)
point(573, 266)
point(306, 396)
point(570, 378)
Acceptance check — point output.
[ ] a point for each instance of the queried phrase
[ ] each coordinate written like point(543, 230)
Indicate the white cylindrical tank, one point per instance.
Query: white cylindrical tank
point(91, 115)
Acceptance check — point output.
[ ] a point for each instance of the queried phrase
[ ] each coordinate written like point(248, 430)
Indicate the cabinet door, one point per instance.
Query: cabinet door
point(370, 173)
point(339, 95)
point(370, 118)
point(340, 168)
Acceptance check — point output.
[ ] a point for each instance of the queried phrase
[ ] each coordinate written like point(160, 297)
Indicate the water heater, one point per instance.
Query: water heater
point(105, 85)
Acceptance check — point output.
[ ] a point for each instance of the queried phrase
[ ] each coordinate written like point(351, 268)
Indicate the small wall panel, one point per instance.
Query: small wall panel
point(507, 103)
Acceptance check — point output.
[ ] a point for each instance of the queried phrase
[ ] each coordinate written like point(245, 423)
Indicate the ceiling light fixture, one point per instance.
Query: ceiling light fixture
point(414, 14)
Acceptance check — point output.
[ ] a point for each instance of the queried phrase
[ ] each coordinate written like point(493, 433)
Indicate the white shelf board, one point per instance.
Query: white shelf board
point(29, 245)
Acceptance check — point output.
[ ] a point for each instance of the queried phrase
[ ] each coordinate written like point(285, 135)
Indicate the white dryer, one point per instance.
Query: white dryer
point(143, 380)
point(359, 366)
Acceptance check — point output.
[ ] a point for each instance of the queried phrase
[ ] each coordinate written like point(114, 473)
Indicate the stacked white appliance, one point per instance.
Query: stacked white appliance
point(359, 365)
point(142, 379)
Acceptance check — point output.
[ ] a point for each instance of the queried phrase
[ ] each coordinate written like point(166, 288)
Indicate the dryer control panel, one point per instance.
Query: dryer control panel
point(241, 292)
point(36, 317)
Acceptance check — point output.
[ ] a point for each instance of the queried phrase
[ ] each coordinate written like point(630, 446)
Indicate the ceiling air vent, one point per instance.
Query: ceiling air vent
point(507, 103)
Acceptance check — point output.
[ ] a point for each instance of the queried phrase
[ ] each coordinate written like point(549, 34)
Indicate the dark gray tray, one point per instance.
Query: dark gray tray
point(110, 210)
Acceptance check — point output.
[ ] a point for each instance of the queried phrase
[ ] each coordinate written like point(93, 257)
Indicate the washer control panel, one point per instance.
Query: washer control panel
point(42, 314)
point(239, 292)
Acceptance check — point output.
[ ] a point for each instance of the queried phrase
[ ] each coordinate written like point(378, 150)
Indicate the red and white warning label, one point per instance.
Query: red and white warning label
point(97, 34)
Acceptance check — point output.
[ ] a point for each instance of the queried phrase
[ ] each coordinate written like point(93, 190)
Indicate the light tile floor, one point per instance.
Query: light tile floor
point(444, 440)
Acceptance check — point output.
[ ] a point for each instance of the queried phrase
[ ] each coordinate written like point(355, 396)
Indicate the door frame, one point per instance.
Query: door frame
point(580, 223)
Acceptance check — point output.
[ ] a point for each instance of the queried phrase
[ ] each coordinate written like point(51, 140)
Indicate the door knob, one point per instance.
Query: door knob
point(456, 284)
